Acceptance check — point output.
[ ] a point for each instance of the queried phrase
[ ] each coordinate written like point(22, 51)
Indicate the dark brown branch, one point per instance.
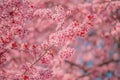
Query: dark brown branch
point(87, 70)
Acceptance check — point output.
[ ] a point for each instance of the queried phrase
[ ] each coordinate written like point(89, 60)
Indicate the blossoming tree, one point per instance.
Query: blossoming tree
point(59, 39)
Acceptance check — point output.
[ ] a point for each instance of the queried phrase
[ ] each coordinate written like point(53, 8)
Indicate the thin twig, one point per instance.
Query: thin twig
point(40, 56)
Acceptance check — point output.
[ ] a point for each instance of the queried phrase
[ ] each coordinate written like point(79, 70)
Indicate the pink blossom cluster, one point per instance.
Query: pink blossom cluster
point(59, 39)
